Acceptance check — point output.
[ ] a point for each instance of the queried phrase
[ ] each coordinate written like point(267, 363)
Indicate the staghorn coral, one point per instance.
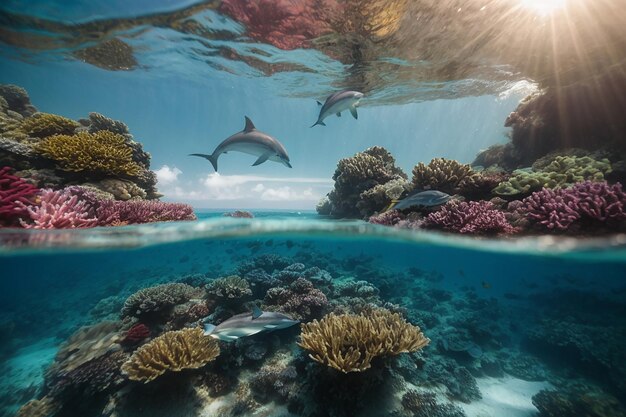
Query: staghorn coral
point(16, 196)
point(358, 174)
point(440, 174)
point(348, 343)
point(140, 211)
point(172, 351)
point(42, 125)
point(44, 407)
point(59, 210)
point(475, 217)
point(231, 287)
point(157, 299)
point(300, 300)
point(100, 153)
point(590, 203)
point(98, 122)
point(560, 172)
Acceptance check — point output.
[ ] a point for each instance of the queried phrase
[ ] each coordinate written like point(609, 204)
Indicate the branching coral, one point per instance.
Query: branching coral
point(348, 343)
point(42, 125)
point(440, 174)
point(59, 210)
point(172, 351)
point(141, 211)
point(16, 195)
point(475, 217)
point(158, 298)
point(100, 153)
point(231, 287)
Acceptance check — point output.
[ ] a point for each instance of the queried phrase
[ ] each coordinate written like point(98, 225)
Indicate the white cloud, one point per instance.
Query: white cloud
point(166, 175)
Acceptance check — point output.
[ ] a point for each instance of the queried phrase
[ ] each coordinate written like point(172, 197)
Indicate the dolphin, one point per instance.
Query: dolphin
point(338, 102)
point(253, 142)
point(247, 324)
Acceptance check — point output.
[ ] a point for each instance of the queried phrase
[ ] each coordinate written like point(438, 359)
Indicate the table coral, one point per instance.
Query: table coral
point(16, 195)
point(172, 351)
point(100, 153)
point(59, 210)
point(440, 174)
point(41, 125)
point(348, 343)
point(474, 217)
point(158, 298)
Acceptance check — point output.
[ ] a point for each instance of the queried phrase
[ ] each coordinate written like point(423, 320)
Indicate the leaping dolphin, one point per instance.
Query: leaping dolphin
point(248, 324)
point(253, 142)
point(338, 102)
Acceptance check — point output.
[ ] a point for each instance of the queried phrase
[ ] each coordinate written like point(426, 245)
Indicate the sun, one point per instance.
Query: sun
point(544, 7)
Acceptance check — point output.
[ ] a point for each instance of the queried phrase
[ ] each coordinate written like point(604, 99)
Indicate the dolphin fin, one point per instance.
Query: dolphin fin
point(262, 159)
point(353, 111)
point(256, 312)
point(208, 329)
point(318, 123)
point(249, 125)
point(319, 103)
point(339, 114)
point(211, 158)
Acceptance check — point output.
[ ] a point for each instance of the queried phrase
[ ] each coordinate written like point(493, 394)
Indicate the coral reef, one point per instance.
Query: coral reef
point(425, 404)
point(231, 287)
point(348, 343)
point(59, 210)
point(120, 189)
point(16, 195)
point(44, 407)
point(300, 300)
point(440, 174)
point(98, 154)
point(111, 212)
point(172, 351)
point(469, 217)
point(42, 125)
point(136, 334)
point(577, 402)
point(17, 99)
point(360, 174)
point(98, 122)
point(157, 299)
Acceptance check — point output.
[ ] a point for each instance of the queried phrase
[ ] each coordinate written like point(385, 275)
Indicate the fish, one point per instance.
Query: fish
point(248, 324)
point(338, 102)
point(253, 142)
point(429, 198)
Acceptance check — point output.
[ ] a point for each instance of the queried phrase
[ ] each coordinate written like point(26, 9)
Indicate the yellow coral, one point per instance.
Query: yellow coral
point(42, 125)
point(172, 351)
point(349, 342)
point(440, 174)
point(102, 152)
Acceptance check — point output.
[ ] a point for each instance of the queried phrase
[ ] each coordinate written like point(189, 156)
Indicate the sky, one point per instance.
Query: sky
point(173, 116)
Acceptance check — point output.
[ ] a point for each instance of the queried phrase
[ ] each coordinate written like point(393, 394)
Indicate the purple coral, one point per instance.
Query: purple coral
point(59, 210)
point(300, 300)
point(139, 211)
point(388, 218)
point(474, 217)
point(15, 195)
point(595, 202)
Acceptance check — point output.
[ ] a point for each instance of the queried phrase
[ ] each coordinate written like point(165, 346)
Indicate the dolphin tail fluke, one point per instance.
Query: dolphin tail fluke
point(318, 123)
point(208, 329)
point(211, 158)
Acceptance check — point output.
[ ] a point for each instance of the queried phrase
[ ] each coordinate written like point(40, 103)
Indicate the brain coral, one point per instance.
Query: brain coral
point(440, 174)
point(172, 351)
point(158, 298)
point(100, 153)
point(42, 125)
point(349, 342)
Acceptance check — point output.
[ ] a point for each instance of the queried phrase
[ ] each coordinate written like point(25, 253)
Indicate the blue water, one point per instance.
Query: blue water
point(531, 326)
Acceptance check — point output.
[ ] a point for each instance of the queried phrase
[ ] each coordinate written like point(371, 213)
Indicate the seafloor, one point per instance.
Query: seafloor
point(510, 335)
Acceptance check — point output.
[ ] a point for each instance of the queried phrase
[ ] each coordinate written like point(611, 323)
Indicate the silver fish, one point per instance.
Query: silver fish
point(248, 324)
point(253, 142)
point(338, 102)
point(428, 198)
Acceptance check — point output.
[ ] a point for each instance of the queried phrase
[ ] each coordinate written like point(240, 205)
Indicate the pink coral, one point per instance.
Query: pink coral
point(552, 209)
point(475, 217)
point(134, 212)
point(388, 218)
point(15, 195)
point(59, 210)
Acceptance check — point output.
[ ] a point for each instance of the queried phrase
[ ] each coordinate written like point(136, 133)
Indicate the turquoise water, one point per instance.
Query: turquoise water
point(526, 325)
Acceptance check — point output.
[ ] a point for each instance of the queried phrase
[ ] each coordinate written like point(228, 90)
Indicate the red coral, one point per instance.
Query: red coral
point(13, 191)
point(475, 217)
point(136, 334)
